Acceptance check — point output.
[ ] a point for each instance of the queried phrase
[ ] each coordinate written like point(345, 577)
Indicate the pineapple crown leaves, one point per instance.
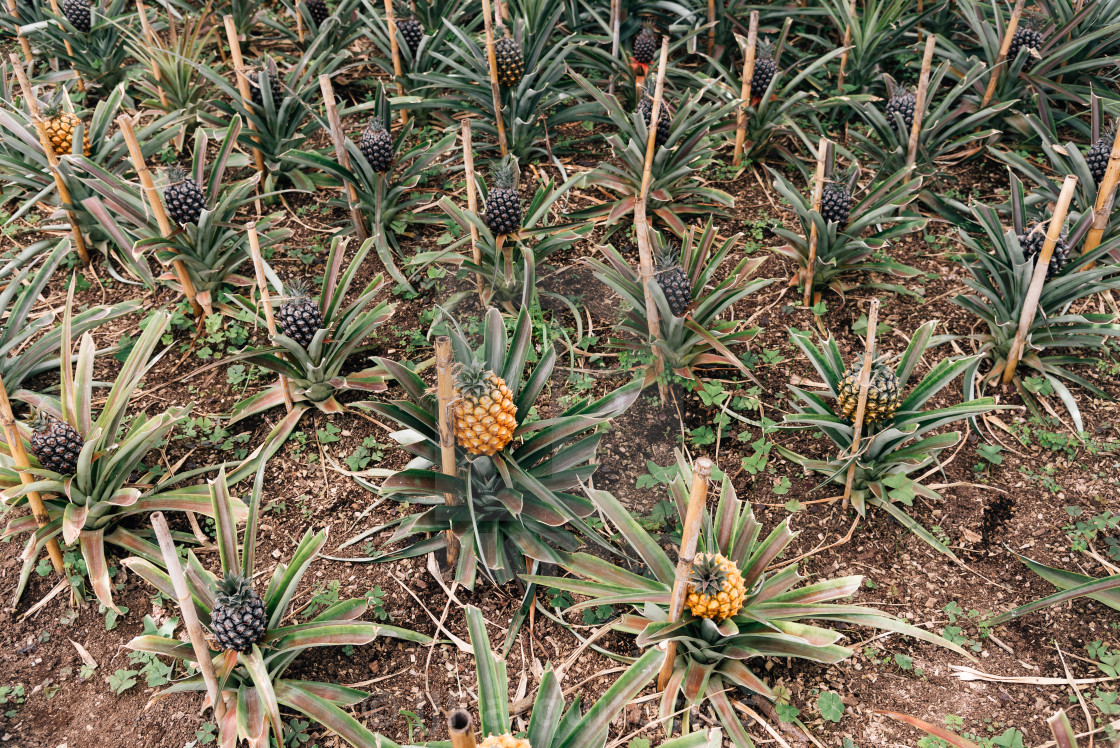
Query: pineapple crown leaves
point(764, 50)
point(176, 174)
point(297, 288)
point(234, 590)
point(707, 576)
point(667, 258)
point(506, 174)
point(472, 377)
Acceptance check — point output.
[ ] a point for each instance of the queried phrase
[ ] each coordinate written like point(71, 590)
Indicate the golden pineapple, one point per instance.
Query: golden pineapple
point(504, 741)
point(716, 589)
point(883, 395)
point(60, 127)
point(484, 412)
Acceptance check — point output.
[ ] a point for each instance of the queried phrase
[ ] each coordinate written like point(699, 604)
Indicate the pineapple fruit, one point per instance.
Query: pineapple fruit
point(77, 12)
point(883, 395)
point(55, 444)
point(510, 62)
point(238, 620)
point(674, 281)
point(377, 146)
point(60, 126)
point(836, 202)
point(716, 588)
point(318, 10)
point(646, 43)
point(504, 741)
point(183, 197)
point(1098, 155)
point(412, 31)
point(664, 119)
point(484, 413)
point(902, 101)
point(764, 70)
point(273, 84)
point(1031, 243)
point(502, 214)
point(1025, 37)
point(299, 317)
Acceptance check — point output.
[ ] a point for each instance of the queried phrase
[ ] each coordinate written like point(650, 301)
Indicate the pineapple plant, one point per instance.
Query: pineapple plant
point(1027, 37)
point(238, 620)
point(715, 588)
point(1031, 243)
point(1098, 156)
point(901, 102)
point(77, 12)
point(646, 43)
point(55, 444)
point(764, 69)
point(664, 119)
point(183, 197)
point(502, 214)
point(318, 10)
point(509, 60)
point(299, 317)
point(376, 145)
point(836, 201)
point(673, 280)
point(60, 126)
point(883, 394)
point(413, 32)
point(485, 416)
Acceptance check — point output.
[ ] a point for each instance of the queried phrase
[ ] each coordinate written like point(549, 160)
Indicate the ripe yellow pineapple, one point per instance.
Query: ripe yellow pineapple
point(504, 741)
point(60, 127)
point(716, 590)
point(485, 415)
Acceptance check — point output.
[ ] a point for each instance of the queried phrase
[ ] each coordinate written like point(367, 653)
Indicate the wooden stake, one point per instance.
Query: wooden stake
point(472, 203)
point(299, 22)
point(690, 534)
point(641, 224)
point(495, 94)
point(1034, 291)
point(847, 42)
point(445, 392)
point(921, 103)
point(818, 191)
point(1106, 197)
point(190, 615)
point(864, 385)
point(745, 92)
point(52, 159)
point(460, 726)
point(242, 83)
point(21, 465)
point(266, 302)
point(1012, 25)
point(340, 152)
point(152, 41)
point(712, 27)
point(156, 204)
point(391, 22)
point(27, 56)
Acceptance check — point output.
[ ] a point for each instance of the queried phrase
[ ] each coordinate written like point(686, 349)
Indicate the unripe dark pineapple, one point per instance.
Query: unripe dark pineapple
point(77, 12)
point(1031, 243)
point(239, 618)
point(1027, 36)
point(646, 43)
point(901, 101)
point(836, 202)
point(318, 10)
point(299, 317)
point(183, 197)
point(764, 69)
point(274, 86)
point(377, 146)
point(510, 62)
point(664, 119)
point(55, 444)
point(503, 205)
point(1098, 155)
point(674, 281)
point(412, 31)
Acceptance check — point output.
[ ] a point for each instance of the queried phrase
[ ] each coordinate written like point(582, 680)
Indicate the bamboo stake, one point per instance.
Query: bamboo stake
point(340, 152)
point(52, 159)
point(190, 615)
point(921, 103)
point(242, 83)
point(745, 93)
point(847, 41)
point(1106, 197)
point(818, 192)
point(299, 22)
point(460, 725)
point(266, 302)
point(27, 56)
point(21, 465)
point(391, 21)
point(156, 204)
point(1013, 24)
point(712, 27)
point(495, 94)
point(150, 38)
point(864, 385)
point(616, 35)
point(1034, 291)
point(472, 203)
point(69, 49)
point(690, 533)
point(641, 224)
point(445, 392)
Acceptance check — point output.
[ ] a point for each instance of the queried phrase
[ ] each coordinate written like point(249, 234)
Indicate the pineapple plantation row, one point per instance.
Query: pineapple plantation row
point(560, 373)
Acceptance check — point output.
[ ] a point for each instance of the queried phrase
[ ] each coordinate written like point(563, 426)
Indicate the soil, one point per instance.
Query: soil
point(989, 514)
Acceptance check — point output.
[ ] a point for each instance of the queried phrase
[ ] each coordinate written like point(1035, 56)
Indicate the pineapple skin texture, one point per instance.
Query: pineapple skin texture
point(485, 425)
point(504, 741)
point(60, 131)
point(727, 602)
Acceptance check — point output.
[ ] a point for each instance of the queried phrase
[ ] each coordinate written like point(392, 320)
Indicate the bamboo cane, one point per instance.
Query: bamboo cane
point(21, 465)
point(1013, 24)
point(150, 38)
point(242, 83)
point(445, 392)
point(190, 615)
point(28, 57)
point(394, 48)
point(472, 203)
point(745, 92)
point(299, 22)
point(266, 302)
point(690, 533)
point(460, 726)
point(712, 27)
point(495, 94)
point(641, 224)
point(156, 204)
point(847, 41)
point(861, 401)
point(52, 159)
point(340, 152)
point(1034, 291)
point(921, 103)
point(818, 191)
point(1106, 197)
